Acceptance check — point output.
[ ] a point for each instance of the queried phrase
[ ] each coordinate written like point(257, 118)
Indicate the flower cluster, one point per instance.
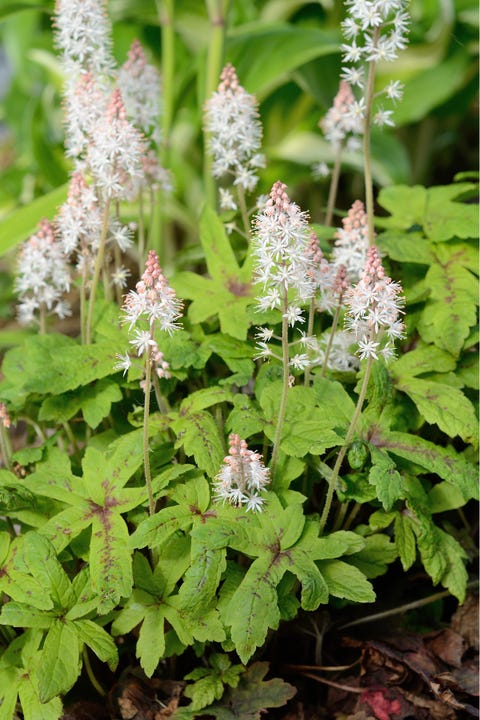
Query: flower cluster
point(351, 241)
point(329, 278)
point(234, 134)
point(242, 478)
point(115, 152)
point(140, 85)
point(375, 30)
point(281, 236)
point(83, 35)
point(340, 122)
point(43, 276)
point(154, 300)
point(79, 220)
point(373, 309)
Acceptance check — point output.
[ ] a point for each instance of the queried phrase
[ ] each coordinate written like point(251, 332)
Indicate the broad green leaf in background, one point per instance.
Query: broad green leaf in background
point(434, 459)
point(264, 54)
point(54, 364)
point(389, 159)
point(228, 291)
point(450, 311)
point(22, 223)
point(432, 87)
point(434, 209)
point(443, 405)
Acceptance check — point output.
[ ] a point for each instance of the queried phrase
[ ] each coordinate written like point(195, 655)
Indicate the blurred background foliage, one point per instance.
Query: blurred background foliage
point(287, 53)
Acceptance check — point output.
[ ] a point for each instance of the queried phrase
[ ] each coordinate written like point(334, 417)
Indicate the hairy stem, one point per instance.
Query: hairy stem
point(367, 161)
point(333, 329)
point(332, 193)
point(243, 210)
point(146, 415)
point(286, 378)
point(5, 446)
point(91, 674)
point(96, 273)
point(344, 448)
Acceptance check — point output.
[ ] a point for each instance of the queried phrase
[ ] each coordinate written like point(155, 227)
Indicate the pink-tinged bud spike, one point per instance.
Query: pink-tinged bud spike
point(234, 132)
point(4, 416)
point(351, 241)
point(374, 306)
point(280, 249)
point(242, 477)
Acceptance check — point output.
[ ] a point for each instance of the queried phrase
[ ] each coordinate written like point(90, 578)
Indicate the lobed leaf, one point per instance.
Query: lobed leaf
point(60, 666)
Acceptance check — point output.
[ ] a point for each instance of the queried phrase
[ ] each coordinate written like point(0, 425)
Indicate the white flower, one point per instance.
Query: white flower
point(227, 201)
point(124, 362)
point(234, 131)
point(140, 85)
point(374, 306)
point(242, 477)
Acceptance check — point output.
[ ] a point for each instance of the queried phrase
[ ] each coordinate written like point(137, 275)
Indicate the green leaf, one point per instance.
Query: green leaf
point(228, 290)
point(443, 497)
point(204, 692)
point(33, 708)
point(54, 364)
point(157, 529)
point(96, 401)
point(110, 559)
point(246, 418)
point(236, 354)
point(345, 581)
point(306, 429)
point(432, 87)
point(443, 558)
point(41, 561)
point(443, 405)
point(60, 666)
point(9, 682)
point(182, 352)
point(205, 398)
point(405, 540)
point(433, 458)
point(411, 247)
point(253, 608)
point(198, 433)
point(377, 554)
point(385, 478)
point(254, 695)
point(208, 562)
point(314, 587)
point(22, 223)
point(450, 312)
point(263, 54)
point(433, 209)
point(22, 615)
point(151, 639)
point(342, 542)
point(423, 359)
point(97, 640)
